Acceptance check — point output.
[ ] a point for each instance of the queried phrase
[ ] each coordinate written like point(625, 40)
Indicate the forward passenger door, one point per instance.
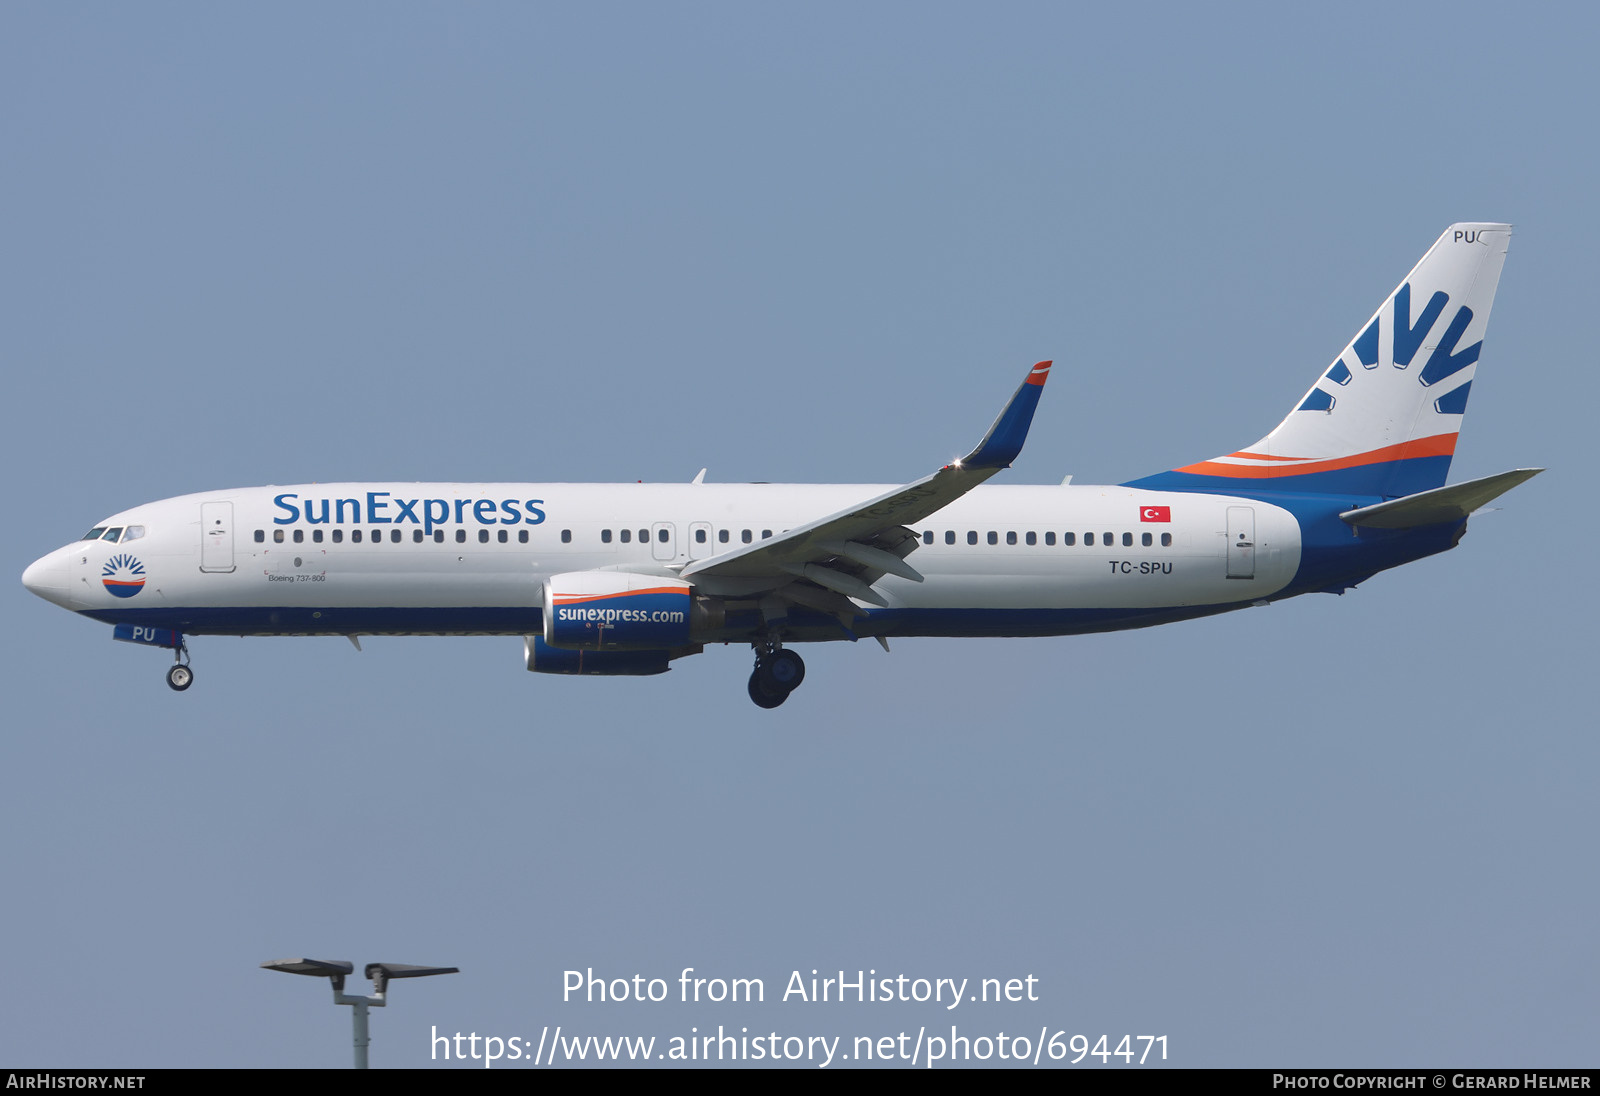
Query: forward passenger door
point(216, 537)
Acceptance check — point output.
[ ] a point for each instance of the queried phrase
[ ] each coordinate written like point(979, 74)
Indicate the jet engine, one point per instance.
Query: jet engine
point(623, 611)
point(545, 659)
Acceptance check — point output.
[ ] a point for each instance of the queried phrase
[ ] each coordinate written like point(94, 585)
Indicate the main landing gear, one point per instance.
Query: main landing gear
point(180, 675)
point(778, 673)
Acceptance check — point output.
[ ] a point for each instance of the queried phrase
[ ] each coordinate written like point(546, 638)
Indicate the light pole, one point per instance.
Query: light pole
point(378, 973)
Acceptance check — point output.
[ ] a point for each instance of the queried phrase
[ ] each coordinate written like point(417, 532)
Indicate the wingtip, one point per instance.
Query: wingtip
point(1003, 442)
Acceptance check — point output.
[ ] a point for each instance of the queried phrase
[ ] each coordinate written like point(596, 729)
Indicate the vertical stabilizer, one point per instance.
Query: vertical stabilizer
point(1384, 417)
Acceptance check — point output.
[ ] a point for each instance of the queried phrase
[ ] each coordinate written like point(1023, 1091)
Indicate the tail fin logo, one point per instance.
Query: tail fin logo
point(1384, 418)
point(1444, 359)
point(123, 575)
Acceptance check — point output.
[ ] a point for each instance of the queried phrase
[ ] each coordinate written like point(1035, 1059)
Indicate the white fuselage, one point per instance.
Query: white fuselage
point(460, 558)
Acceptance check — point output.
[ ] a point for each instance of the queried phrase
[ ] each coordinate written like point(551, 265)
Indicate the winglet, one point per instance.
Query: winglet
point(1003, 442)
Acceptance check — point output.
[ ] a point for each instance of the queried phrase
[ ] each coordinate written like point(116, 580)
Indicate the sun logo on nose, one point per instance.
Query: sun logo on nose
point(123, 575)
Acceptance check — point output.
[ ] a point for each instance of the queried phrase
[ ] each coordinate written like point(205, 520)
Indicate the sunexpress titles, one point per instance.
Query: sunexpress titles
point(384, 508)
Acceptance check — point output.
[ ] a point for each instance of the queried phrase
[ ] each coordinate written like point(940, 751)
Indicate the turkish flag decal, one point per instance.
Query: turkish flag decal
point(1155, 513)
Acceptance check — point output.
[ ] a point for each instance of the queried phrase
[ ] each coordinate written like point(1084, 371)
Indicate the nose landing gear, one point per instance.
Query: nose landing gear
point(778, 673)
point(180, 675)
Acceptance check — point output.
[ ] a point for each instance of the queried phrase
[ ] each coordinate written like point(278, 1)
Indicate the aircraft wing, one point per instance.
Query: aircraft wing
point(824, 563)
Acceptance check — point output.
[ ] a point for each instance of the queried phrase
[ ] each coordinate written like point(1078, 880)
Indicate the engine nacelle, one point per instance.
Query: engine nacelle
point(616, 611)
point(545, 659)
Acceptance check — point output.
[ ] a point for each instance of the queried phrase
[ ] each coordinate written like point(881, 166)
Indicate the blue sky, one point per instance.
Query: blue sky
point(808, 244)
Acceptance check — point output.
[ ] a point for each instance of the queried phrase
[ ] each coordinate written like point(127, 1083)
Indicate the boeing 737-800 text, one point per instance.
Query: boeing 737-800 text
point(623, 579)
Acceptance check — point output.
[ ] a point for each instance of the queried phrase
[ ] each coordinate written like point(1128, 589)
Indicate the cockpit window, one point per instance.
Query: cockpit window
point(94, 534)
point(132, 532)
point(113, 533)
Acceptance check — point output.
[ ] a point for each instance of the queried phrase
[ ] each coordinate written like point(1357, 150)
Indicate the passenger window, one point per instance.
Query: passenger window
point(722, 535)
point(1108, 539)
point(1146, 540)
point(316, 536)
point(416, 536)
point(355, 536)
point(644, 536)
point(1033, 538)
point(1127, 540)
point(1166, 540)
point(994, 538)
point(1088, 539)
point(745, 536)
point(338, 536)
point(299, 536)
point(605, 536)
point(1011, 537)
point(483, 536)
point(377, 536)
point(522, 536)
point(503, 536)
point(699, 536)
point(261, 536)
point(627, 536)
point(927, 536)
point(972, 536)
point(949, 536)
point(438, 536)
point(461, 536)
point(661, 535)
point(1068, 540)
point(765, 533)
point(394, 536)
point(566, 536)
point(277, 536)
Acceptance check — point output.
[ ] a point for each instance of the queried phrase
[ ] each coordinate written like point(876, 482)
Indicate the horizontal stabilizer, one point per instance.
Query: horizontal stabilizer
point(1440, 504)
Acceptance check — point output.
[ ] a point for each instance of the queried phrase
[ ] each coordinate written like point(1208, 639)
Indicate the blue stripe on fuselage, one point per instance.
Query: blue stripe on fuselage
point(1334, 554)
point(364, 620)
point(802, 625)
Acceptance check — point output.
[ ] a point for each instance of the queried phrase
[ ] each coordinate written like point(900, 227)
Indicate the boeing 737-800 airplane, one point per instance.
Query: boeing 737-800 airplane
point(622, 579)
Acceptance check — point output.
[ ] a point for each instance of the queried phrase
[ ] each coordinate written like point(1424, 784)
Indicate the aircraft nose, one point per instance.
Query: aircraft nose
point(47, 577)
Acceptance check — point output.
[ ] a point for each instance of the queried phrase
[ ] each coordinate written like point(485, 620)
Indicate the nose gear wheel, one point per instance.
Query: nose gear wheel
point(180, 675)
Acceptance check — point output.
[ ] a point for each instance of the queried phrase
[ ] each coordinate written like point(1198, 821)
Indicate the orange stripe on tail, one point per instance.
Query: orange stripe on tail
point(1440, 445)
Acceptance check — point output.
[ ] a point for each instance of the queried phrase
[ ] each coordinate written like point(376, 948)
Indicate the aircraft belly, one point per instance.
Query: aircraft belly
point(288, 620)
